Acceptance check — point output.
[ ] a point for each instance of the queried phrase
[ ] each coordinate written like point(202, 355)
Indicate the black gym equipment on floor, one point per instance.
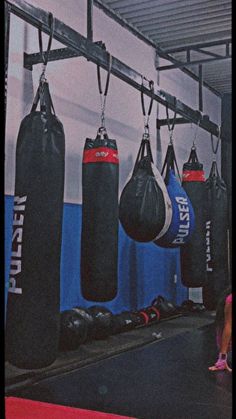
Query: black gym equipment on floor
point(156, 372)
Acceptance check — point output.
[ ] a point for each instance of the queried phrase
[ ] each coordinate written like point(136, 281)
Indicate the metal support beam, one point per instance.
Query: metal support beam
point(210, 53)
point(201, 45)
point(90, 20)
point(200, 75)
point(54, 55)
point(194, 62)
point(96, 54)
point(178, 121)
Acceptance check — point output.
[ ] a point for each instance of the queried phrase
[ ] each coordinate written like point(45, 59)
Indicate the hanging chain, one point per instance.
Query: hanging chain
point(45, 55)
point(103, 96)
point(146, 118)
point(215, 148)
point(170, 127)
point(196, 131)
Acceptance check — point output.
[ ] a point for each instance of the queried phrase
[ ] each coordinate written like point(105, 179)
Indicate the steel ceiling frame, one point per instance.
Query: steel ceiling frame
point(96, 53)
point(161, 53)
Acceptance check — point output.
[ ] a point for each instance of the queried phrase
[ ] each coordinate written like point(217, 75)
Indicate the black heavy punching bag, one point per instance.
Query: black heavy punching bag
point(193, 254)
point(216, 239)
point(33, 305)
point(99, 239)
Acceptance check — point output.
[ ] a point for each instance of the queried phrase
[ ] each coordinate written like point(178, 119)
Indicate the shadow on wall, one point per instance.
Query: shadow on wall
point(79, 112)
point(126, 168)
point(28, 88)
point(73, 177)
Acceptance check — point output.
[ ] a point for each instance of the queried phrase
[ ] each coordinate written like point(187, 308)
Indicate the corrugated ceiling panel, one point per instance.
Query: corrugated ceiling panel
point(181, 23)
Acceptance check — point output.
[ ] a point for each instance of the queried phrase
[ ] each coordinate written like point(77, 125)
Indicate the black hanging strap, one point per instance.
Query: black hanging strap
point(45, 55)
point(215, 148)
point(170, 127)
point(146, 120)
point(104, 95)
point(170, 162)
point(43, 97)
point(214, 170)
point(193, 158)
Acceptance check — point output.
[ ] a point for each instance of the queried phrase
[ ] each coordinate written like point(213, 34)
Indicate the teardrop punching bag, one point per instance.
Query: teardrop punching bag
point(182, 222)
point(217, 275)
point(193, 255)
point(144, 209)
point(33, 305)
point(99, 238)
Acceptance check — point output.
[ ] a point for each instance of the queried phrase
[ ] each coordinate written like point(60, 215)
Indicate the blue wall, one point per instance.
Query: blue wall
point(144, 269)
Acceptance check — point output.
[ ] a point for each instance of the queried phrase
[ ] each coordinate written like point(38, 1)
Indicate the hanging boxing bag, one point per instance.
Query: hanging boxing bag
point(182, 222)
point(217, 275)
point(99, 239)
point(193, 255)
point(144, 209)
point(33, 304)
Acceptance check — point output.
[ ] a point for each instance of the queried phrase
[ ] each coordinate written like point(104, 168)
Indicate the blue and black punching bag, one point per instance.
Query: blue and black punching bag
point(33, 304)
point(182, 222)
point(217, 268)
point(193, 255)
point(99, 237)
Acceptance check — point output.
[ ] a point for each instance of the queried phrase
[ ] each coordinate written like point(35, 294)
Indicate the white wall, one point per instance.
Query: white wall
point(75, 95)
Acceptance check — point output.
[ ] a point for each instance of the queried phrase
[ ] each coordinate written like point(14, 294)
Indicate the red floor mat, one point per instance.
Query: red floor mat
point(17, 408)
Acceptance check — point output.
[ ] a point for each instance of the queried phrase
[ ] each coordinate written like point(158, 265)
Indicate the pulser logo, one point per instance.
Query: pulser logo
point(183, 208)
point(18, 222)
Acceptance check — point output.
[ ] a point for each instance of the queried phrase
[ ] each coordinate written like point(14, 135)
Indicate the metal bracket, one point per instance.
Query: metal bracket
point(54, 55)
point(163, 122)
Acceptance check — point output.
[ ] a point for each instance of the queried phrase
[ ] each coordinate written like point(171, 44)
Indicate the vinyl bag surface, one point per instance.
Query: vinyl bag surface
point(144, 208)
point(33, 305)
point(193, 255)
point(183, 220)
point(99, 237)
point(217, 274)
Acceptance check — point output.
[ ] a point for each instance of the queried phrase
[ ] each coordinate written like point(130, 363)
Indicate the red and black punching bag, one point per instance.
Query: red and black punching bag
point(33, 304)
point(217, 272)
point(99, 237)
point(193, 254)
